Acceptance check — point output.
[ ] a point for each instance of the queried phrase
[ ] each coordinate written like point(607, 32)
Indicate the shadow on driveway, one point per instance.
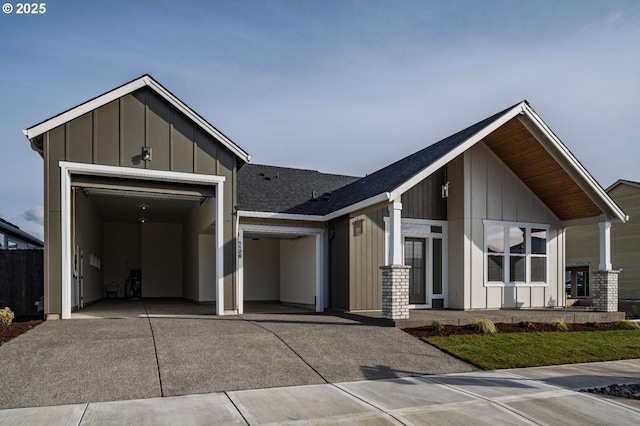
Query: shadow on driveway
point(80, 361)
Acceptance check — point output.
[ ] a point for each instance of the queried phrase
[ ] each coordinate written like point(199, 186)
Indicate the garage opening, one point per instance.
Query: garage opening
point(130, 239)
point(281, 265)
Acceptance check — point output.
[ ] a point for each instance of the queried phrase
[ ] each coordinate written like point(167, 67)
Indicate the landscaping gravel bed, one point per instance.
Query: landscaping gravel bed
point(622, 391)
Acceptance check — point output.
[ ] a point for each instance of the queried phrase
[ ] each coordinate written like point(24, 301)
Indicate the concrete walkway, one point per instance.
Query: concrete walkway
point(544, 395)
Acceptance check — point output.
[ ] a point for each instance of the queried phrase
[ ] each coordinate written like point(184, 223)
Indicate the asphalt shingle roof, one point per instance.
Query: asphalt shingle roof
point(290, 190)
point(285, 190)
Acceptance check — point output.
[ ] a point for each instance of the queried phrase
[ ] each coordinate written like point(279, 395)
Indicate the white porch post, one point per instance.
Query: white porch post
point(605, 244)
point(395, 276)
point(220, 248)
point(319, 273)
point(240, 273)
point(65, 240)
point(395, 234)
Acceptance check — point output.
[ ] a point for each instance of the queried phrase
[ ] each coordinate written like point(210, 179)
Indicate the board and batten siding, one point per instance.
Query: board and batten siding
point(366, 255)
point(483, 188)
point(114, 135)
point(583, 242)
point(339, 262)
point(424, 200)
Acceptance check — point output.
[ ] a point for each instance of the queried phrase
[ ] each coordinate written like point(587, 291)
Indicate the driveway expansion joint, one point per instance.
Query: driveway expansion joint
point(288, 346)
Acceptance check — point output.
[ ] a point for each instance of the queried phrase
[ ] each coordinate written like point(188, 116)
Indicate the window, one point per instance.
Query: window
point(582, 283)
point(515, 253)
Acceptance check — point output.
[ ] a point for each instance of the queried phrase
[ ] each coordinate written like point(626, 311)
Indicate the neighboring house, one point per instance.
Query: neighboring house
point(137, 181)
point(12, 238)
point(583, 251)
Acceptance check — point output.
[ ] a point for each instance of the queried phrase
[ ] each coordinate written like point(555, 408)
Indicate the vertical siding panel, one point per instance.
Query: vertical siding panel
point(80, 139)
point(510, 195)
point(206, 151)
point(479, 182)
point(107, 134)
point(158, 118)
point(495, 179)
point(524, 203)
point(182, 143)
point(132, 129)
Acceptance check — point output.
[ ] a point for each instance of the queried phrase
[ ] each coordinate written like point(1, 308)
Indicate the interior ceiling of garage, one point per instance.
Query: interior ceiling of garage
point(127, 207)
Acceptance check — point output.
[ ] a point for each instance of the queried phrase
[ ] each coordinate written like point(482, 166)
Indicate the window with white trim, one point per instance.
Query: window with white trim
point(516, 253)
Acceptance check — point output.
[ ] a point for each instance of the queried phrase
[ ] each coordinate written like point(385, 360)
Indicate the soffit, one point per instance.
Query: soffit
point(534, 165)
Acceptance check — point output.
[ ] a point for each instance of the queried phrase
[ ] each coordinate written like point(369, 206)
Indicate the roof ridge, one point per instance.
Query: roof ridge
point(300, 169)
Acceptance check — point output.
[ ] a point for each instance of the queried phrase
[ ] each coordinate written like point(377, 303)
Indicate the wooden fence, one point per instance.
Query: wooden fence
point(21, 281)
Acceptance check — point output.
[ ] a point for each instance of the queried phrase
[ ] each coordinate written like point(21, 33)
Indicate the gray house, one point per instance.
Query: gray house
point(13, 238)
point(583, 251)
point(137, 181)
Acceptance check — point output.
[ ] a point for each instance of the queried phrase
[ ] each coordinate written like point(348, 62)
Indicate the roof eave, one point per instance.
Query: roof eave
point(146, 80)
point(445, 159)
point(593, 189)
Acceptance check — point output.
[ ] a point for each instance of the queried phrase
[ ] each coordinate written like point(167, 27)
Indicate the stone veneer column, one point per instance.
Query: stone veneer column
point(605, 291)
point(395, 292)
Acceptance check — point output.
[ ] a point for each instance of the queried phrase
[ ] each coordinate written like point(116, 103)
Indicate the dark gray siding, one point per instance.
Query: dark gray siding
point(424, 201)
point(339, 262)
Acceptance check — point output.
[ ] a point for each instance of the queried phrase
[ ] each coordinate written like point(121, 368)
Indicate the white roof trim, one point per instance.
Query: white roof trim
point(376, 199)
point(315, 218)
point(286, 216)
point(521, 109)
point(622, 182)
point(477, 137)
point(583, 174)
point(130, 87)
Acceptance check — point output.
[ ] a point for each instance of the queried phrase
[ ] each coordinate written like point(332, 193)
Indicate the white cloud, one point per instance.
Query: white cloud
point(35, 215)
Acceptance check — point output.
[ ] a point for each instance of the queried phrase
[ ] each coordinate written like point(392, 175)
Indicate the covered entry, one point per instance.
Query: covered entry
point(122, 224)
point(281, 264)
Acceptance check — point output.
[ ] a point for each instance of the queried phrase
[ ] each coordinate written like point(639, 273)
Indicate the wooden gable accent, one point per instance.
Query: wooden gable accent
point(533, 164)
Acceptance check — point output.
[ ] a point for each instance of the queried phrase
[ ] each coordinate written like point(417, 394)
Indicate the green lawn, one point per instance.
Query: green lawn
point(513, 350)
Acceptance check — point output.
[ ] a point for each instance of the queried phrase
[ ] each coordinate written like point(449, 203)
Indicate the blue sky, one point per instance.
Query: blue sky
point(337, 86)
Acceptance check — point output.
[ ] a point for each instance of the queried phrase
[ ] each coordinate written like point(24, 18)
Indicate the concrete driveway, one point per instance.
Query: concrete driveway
point(85, 361)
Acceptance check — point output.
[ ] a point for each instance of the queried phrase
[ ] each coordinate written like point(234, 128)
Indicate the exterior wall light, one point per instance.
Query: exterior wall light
point(146, 153)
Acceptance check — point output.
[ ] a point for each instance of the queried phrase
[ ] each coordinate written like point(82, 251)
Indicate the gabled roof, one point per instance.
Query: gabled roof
point(144, 81)
point(264, 188)
point(517, 135)
point(623, 182)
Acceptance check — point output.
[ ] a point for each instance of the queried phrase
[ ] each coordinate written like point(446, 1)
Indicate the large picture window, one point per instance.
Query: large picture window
point(515, 253)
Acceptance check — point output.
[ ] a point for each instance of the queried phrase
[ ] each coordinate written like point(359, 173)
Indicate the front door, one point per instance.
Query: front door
point(414, 256)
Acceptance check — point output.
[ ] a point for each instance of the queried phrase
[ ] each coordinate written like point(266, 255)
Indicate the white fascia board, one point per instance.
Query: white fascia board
point(130, 172)
point(376, 199)
point(621, 182)
point(84, 108)
point(572, 162)
point(143, 81)
point(477, 137)
point(315, 218)
point(284, 216)
point(178, 104)
point(278, 229)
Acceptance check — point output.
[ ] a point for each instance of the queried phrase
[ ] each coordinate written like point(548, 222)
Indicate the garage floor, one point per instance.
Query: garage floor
point(169, 307)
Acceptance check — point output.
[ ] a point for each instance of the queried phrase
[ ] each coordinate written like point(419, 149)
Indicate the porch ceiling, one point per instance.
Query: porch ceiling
point(535, 166)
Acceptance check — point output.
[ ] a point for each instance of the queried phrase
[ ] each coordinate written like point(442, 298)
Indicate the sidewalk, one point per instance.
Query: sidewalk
point(542, 395)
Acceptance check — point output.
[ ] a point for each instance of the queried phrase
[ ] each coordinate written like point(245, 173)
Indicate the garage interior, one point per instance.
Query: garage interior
point(161, 232)
point(279, 268)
